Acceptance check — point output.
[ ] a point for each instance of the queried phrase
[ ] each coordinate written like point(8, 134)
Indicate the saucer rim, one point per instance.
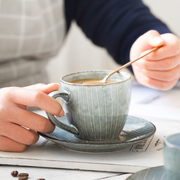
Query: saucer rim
point(85, 142)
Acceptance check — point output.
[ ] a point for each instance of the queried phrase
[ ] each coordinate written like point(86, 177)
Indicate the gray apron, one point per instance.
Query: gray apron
point(31, 31)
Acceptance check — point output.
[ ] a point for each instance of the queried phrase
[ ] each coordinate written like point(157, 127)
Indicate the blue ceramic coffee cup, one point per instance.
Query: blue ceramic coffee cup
point(94, 112)
point(172, 156)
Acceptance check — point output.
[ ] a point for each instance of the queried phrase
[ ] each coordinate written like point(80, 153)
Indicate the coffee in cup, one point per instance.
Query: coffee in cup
point(93, 81)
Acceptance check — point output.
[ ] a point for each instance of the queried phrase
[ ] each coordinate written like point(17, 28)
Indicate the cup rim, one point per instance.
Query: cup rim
point(108, 71)
point(169, 144)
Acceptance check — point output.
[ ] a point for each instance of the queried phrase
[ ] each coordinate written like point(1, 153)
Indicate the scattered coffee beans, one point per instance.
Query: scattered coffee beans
point(22, 176)
point(14, 173)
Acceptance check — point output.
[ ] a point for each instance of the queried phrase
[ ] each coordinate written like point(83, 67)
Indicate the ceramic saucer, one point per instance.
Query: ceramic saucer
point(135, 130)
point(155, 173)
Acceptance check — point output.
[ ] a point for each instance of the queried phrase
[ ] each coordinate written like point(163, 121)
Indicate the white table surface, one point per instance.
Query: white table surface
point(58, 174)
point(145, 103)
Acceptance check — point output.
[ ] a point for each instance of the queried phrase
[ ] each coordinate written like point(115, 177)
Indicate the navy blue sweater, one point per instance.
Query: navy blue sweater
point(113, 24)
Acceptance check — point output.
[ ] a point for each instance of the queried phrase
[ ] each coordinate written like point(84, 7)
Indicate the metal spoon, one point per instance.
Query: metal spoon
point(129, 63)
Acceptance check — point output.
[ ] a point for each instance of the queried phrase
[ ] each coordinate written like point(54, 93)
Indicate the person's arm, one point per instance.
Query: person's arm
point(127, 28)
point(114, 24)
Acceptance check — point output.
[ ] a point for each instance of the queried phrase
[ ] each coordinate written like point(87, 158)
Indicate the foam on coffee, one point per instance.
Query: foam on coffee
point(93, 81)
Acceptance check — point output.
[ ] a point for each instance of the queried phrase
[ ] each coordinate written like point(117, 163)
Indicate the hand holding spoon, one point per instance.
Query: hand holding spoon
point(129, 63)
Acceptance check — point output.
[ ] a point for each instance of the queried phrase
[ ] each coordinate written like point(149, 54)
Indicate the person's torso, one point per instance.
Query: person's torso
point(30, 28)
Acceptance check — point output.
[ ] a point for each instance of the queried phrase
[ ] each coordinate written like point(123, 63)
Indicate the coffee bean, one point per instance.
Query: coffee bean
point(23, 174)
point(14, 173)
point(23, 178)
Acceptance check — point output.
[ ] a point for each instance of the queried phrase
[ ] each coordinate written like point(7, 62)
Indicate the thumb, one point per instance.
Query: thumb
point(154, 38)
point(146, 42)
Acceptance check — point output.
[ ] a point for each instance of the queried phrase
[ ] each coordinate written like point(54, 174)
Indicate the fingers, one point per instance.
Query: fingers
point(7, 144)
point(157, 79)
point(27, 97)
point(154, 39)
point(46, 88)
point(170, 49)
point(146, 42)
point(164, 64)
point(168, 75)
point(161, 68)
point(15, 133)
point(151, 39)
point(156, 84)
point(30, 120)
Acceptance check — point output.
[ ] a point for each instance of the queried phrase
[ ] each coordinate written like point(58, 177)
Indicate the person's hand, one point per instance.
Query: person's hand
point(18, 126)
point(160, 69)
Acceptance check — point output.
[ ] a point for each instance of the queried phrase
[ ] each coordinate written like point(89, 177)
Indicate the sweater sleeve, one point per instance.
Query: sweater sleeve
point(113, 24)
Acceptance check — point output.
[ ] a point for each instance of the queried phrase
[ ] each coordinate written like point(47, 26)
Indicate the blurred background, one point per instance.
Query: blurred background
point(79, 53)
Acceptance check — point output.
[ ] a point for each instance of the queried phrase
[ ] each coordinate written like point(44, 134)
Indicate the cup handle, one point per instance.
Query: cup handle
point(66, 97)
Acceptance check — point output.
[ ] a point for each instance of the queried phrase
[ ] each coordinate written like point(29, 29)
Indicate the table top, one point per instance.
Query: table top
point(159, 107)
point(57, 174)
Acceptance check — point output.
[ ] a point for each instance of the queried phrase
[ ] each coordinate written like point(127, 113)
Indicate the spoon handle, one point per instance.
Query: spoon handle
point(129, 63)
